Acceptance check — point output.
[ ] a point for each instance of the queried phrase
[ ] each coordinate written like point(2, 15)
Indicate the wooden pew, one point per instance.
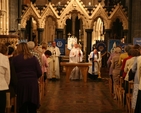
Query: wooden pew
point(129, 97)
point(11, 102)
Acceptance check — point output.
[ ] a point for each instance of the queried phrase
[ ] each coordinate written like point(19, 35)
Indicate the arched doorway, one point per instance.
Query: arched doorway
point(117, 29)
point(98, 31)
point(68, 27)
point(31, 33)
point(74, 27)
point(49, 29)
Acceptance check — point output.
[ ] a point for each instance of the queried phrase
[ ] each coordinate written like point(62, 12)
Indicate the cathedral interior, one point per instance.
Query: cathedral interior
point(88, 20)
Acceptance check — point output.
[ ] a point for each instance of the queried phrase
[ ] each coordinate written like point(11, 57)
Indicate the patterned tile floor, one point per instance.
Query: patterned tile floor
point(79, 97)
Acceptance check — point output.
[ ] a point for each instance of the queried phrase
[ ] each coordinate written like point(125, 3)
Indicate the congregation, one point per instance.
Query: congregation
point(124, 68)
point(24, 67)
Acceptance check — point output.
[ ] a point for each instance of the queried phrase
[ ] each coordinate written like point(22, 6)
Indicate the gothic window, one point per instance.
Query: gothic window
point(97, 31)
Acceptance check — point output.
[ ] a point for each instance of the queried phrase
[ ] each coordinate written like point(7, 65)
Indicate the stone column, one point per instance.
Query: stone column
point(22, 33)
point(19, 12)
point(81, 31)
point(1, 21)
point(7, 17)
point(126, 35)
point(13, 15)
point(73, 24)
point(135, 19)
point(64, 33)
point(40, 35)
point(89, 39)
point(107, 34)
point(59, 33)
point(129, 4)
point(107, 37)
point(4, 15)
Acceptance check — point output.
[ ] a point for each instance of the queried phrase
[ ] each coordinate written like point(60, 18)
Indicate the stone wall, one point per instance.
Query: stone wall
point(86, 2)
point(136, 19)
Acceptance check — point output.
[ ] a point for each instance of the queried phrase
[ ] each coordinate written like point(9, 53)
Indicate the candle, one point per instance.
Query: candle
point(89, 3)
point(79, 32)
point(59, 3)
point(100, 58)
point(99, 54)
point(19, 26)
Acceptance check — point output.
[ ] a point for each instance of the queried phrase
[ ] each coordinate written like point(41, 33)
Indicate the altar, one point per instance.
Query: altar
point(82, 66)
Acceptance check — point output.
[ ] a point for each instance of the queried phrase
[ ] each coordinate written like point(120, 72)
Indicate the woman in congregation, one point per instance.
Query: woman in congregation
point(28, 71)
point(132, 54)
point(44, 61)
point(13, 78)
point(135, 74)
point(4, 76)
point(116, 68)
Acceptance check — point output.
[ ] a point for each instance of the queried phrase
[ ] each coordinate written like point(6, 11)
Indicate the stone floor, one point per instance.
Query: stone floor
point(79, 97)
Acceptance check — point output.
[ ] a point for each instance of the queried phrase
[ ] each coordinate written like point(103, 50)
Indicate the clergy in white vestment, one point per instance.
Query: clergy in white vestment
point(95, 59)
point(76, 56)
point(55, 54)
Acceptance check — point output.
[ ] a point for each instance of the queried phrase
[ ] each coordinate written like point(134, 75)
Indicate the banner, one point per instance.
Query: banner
point(137, 41)
point(101, 46)
point(60, 43)
point(112, 43)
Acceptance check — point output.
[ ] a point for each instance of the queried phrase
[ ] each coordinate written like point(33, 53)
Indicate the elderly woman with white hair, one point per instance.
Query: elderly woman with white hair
point(31, 46)
point(116, 67)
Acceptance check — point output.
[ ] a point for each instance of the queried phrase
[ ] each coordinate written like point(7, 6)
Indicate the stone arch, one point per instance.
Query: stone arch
point(25, 18)
point(69, 15)
point(105, 21)
point(120, 13)
point(124, 22)
point(98, 29)
point(117, 28)
point(47, 13)
point(32, 33)
point(50, 26)
point(53, 18)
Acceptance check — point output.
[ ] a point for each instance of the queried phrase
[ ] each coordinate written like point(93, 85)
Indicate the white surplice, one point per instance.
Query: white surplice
point(75, 56)
point(96, 58)
point(56, 54)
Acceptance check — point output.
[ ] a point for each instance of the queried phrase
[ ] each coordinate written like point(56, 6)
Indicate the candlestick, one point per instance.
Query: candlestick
point(79, 32)
point(99, 54)
point(19, 26)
